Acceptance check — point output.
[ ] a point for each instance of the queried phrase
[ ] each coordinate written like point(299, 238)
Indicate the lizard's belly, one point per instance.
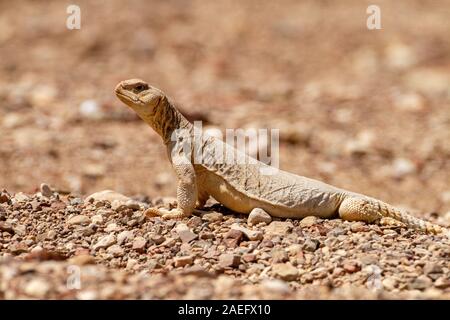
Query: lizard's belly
point(237, 201)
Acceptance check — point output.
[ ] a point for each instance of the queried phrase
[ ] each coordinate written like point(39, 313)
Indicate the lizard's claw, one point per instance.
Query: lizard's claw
point(165, 214)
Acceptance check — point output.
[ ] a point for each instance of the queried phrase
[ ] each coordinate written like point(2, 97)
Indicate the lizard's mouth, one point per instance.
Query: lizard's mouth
point(126, 97)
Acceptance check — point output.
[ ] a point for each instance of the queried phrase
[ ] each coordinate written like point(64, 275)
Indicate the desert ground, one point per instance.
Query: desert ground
point(365, 110)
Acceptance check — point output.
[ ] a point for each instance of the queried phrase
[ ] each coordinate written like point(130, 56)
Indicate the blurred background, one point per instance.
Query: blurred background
point(366, 110)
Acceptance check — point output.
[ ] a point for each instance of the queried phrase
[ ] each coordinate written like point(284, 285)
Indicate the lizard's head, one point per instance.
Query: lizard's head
point(140, 96)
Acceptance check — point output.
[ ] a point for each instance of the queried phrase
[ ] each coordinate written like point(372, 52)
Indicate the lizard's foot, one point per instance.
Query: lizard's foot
point(166, 214)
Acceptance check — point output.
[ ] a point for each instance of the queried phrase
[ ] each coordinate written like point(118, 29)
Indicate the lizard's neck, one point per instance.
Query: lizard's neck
point(166, 119)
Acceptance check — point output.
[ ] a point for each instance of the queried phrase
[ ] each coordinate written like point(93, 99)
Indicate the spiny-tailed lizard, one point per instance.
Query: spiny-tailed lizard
point(240, 186)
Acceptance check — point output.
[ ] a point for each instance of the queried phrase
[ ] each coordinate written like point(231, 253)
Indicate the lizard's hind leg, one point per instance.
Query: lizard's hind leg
point(359, 209)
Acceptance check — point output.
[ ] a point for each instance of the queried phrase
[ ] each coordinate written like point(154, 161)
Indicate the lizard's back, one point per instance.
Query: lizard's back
point(240, 184)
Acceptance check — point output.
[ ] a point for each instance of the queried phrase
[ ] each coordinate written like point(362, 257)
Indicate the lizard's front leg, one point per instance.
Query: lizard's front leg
point(186, 193)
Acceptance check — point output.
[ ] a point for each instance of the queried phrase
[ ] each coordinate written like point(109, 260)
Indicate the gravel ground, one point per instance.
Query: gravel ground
point(364, 110)
point(105, 247)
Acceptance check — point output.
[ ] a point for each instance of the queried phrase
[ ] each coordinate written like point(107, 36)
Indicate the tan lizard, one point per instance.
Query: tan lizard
point(242, 187)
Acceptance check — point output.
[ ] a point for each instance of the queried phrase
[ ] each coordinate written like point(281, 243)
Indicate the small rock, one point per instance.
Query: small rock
point(337, 232)
point(421, 283)
point(37, 288)
point(278, 228)
point(285, 271)
point(442, 282)
point(158, 239)
point(266, 243)
point(197, 271)
point(212, 217)
point(105, 242)
point(194, 222)
point(111, 227)
point(97, 219)
point(82, 259)
point(45, 190)
point(258, 215)
point(183, 261)
point(233, 237)
point(79, 220)
point(18, 248)
point(21, 197)
point(308, 221)
point(432, 268)
point(20, 230)
point(311, 245)
point(124, 237)
point(6, 227)
point(107, 195)
point(229, 260)
point(275, 285)
point(351, 266)
point(279, 256)
point(116, 250)
point(185, 234)
point(389, 284)
point(139, 244)
point(249, 257)
point(4, 197)
point(252, 235)
point(91, 110)
point(402, 167)
point(358, 227)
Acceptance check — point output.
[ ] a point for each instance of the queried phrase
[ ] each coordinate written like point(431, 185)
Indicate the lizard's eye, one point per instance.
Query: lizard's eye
point(140, 87)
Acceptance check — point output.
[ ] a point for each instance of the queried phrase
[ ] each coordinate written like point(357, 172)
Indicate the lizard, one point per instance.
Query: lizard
point(241, 186)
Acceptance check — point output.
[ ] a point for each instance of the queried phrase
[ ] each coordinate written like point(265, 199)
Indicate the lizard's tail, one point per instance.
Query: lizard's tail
point(368, 209)
point(410, 221)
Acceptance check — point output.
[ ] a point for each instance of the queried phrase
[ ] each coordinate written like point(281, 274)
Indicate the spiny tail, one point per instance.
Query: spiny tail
point(410, 221)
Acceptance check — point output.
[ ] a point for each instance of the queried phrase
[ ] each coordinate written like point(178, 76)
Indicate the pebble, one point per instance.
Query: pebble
point(183, 261)
point(311, 245)
point(308, 221)
point(186, 235)
point(6, 227)
point(79, 220)
point(111, 227)
point(116, 250)
point(18, 248)
point(107, 195)
point(139, 244)
point(82, 259)
point(285, 271)
point(275, 285)
point(229, 260)
point(233, 237)
point(45, 190)
point(357, 227)
point(252, 235)
point(279, 255)
point(278, 228)
point(37, 288)
point(124, 237)
point(157, 239)
point(442, 282)
point(258, 215)
point(421, 283)
point(97, 219)
point(21, 197)
point(212, 217)
point(105, 242)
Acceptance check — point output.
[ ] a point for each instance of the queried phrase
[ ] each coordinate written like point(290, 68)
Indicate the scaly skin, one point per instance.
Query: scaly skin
point(239, 185)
